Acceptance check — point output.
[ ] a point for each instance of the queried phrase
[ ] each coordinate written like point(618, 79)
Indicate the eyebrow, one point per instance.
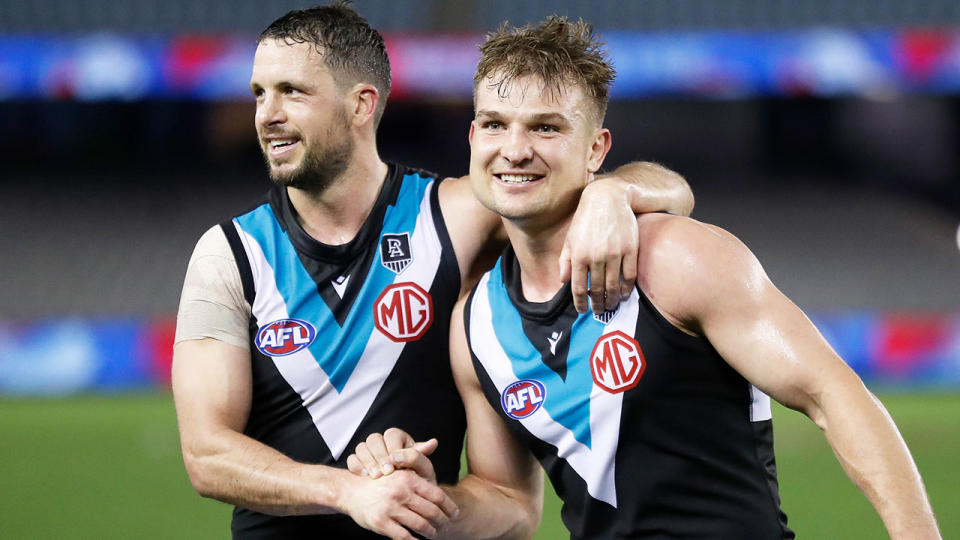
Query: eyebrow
point(536, 118)
point(556, 118)
point(488, 114)
point(278, 84)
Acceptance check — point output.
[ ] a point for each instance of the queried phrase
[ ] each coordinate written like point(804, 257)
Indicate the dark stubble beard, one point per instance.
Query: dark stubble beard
point(321, 166)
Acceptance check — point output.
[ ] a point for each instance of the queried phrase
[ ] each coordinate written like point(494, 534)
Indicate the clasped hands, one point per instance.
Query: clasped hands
point(399, 491)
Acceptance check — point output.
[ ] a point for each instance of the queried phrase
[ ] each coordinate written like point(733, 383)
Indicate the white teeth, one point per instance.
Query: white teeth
point(517, 178)
point(279, 144)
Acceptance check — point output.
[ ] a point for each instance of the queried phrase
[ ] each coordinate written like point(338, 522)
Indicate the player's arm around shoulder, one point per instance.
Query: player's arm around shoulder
point(648, 187)
point(477, 233)
point(602, 238)
point(502, 494)
point(708, 283)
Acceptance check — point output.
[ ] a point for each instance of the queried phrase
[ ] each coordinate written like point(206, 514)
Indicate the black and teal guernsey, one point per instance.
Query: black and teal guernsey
point(349, 340)
point(644, 431)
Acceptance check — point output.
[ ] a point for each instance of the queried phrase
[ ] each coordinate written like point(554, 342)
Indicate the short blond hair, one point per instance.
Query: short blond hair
point(557, 51)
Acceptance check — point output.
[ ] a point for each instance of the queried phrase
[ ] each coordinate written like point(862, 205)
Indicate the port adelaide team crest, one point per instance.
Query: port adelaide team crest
point(395, 252)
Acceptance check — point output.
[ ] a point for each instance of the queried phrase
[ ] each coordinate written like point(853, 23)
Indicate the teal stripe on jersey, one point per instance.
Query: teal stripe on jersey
point(399, 219)
point(336, 349)
point(568, 402)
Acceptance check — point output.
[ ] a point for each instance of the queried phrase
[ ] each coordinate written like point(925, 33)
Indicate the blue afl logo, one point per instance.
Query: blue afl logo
point(523, 398)
point(284, 337)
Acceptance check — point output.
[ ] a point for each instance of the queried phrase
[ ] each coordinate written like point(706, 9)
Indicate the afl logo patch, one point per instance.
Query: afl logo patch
point(395, 252)
point(523, 398)
point(617, 363)
point(403, 312)
point(284, 337)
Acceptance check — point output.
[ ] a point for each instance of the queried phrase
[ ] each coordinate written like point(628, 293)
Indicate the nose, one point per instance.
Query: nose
point(517, 148)
point(270, 110)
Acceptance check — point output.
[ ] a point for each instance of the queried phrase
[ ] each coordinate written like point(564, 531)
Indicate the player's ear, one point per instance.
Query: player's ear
point(602, 139)
point(364, 99)
point(473, 124)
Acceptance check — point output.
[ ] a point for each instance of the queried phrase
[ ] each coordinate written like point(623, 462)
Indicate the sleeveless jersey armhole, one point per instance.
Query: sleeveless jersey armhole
point(446, 244)
point(240, 255)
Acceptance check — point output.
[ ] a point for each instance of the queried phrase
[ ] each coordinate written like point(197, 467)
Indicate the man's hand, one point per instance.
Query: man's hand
point(410, 498)
point(380, 455)
point(392, 505)
point(602, 239)
point(603, 242)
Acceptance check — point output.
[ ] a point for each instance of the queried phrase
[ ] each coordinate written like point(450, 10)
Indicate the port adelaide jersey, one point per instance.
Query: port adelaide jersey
point(351, 339)
point(645, 431)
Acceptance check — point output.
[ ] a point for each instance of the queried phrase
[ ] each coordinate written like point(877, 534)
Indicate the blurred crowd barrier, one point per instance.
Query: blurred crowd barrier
point(61, 357)
point(718, 64)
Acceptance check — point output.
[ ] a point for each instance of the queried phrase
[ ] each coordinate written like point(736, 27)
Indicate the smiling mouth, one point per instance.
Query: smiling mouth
point(277, 147)
point(518, 178)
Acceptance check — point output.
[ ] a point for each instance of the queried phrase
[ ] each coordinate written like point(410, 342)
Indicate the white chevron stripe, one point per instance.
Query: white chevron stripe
point(759, 405)
point(597, 466)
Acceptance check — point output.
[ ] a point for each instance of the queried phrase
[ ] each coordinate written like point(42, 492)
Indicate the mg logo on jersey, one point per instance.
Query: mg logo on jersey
point(284, 337)
point(403, 312)
point(617, 362)
point(395, 252)
point(523, 398)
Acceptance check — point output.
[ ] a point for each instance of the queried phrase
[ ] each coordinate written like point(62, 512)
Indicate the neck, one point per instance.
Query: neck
point(538, 252)
point(334, 216)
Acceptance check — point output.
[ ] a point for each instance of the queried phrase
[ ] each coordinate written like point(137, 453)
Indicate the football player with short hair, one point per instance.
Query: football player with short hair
point(651, 419)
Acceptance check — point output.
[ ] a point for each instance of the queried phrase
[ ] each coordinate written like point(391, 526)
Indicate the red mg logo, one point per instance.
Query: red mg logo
point(403, 312)
point(617, 362)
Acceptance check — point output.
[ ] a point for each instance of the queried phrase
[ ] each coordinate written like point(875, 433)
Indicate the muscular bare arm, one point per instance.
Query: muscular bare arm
point(707, 282)
point(211, 384)
point(651, 187)
point(502, 494)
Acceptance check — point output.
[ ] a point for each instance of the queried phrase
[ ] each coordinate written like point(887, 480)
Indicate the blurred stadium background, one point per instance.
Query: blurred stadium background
point(825, 134)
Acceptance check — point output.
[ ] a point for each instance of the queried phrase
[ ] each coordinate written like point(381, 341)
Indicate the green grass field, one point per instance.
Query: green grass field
point(109, 467)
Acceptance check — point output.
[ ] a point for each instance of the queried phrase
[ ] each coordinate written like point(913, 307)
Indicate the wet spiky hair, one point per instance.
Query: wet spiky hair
point(557, 51)
point(350, 47)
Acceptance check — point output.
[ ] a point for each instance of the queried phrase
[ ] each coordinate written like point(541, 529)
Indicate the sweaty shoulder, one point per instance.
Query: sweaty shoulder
point(212, 304)
point(687, 267)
